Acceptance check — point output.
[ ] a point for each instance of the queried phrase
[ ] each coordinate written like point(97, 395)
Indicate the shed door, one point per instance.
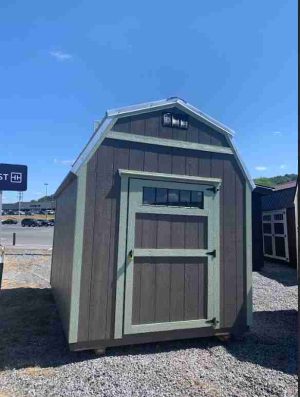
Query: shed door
point(275, 238)
point(172, 259)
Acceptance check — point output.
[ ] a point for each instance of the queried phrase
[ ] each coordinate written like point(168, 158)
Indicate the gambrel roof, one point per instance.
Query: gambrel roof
point(105, 125)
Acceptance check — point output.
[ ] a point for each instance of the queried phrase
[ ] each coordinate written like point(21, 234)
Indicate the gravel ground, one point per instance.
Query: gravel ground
point(34, 360)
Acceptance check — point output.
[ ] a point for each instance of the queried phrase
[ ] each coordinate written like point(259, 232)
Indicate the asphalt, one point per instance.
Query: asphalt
point(27, 237)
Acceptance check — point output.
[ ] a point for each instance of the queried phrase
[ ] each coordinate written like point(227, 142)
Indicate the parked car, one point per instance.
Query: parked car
point(9, 222)
point(31, 222)
point(44, 222)
point(51, 222)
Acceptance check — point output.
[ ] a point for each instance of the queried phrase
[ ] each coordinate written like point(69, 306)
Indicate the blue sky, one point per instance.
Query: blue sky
point(63, 63)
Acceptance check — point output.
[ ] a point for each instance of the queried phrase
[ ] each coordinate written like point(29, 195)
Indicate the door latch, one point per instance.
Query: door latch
point(212, 253)
point(130, 255)
point(214, 322)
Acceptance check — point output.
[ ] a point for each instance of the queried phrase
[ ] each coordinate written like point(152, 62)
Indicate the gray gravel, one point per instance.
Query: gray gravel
point(35, 362)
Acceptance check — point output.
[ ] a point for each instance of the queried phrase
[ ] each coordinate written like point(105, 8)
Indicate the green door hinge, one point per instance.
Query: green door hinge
point(212, 253)
point(214, 322)
point(213, 189)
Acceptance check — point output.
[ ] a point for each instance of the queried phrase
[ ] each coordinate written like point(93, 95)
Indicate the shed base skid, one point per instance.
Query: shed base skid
point(224, 337)
point(100, 351)
point(101, 345)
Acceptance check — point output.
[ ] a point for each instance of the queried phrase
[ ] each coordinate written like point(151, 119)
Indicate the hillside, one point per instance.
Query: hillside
point(275, 180)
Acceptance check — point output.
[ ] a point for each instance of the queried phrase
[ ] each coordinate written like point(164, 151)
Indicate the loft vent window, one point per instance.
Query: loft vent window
point(173, 197)
point(175, 121)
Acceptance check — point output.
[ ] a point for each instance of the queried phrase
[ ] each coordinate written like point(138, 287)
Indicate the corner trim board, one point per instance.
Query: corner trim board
point(77, 254)
point(124, 136)
point(248, 222)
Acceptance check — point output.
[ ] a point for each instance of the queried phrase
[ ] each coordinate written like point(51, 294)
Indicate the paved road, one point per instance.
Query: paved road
point(27, 237)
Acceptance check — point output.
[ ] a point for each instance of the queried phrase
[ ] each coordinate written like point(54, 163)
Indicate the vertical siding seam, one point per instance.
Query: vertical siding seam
point(92, 257)
point(112, 230)
point(236, 246)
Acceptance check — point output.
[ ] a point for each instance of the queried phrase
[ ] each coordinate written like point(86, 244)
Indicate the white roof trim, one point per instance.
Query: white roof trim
point(93, 143)
point(155, 105)
point(242, 164)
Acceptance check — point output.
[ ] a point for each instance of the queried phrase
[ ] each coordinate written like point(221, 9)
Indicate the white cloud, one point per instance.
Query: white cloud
point(63, 162)
point(283, 166)
point(260, 168)
point(276, 132)
point(60, 55)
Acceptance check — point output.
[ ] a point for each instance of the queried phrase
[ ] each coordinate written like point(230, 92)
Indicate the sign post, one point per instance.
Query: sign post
point(13, 177)
point(0, 215)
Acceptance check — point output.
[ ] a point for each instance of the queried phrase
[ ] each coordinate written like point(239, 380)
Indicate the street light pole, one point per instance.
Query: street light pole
point(46, 186)
point(20, 198)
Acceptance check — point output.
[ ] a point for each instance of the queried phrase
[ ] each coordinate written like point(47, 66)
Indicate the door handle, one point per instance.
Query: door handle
point(130, 255)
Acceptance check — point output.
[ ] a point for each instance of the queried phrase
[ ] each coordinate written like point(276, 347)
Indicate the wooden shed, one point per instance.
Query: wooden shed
point(279, 224)
point(152, 238)
point(257, 232)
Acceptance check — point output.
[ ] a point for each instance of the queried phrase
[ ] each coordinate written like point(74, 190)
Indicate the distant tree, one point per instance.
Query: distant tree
point(46, 198)
point(275, 180)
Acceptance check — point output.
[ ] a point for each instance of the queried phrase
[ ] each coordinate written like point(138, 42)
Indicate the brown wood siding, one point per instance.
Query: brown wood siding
point(169, 291)
point(154, 231)
point(98, 295)
point(291, 226)
point(150, 124)
point(62, 256)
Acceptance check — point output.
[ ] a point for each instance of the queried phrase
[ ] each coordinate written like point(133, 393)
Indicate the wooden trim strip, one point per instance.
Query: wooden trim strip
point(124, 136)
point(77, 254)
point(168, 326)
point(170, 252)
point(165, 210)
point(248, 222)
point(171, 177)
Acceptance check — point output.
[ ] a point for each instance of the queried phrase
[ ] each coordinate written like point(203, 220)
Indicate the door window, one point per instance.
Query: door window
point(173, 197)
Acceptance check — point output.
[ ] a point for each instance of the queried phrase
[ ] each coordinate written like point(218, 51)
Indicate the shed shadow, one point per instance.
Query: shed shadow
point(31, 333)
point(281, 273)
point(271, 342)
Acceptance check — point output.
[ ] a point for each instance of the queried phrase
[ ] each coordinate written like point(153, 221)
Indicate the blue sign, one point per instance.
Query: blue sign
point(13, 177)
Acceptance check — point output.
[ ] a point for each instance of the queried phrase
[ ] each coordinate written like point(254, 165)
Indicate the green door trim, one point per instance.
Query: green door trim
point(156, 179)
point(163, 252)
point(135, 205)
point(121, 264)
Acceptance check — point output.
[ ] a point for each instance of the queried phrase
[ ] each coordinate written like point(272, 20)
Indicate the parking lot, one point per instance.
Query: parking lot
point(27, 237)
